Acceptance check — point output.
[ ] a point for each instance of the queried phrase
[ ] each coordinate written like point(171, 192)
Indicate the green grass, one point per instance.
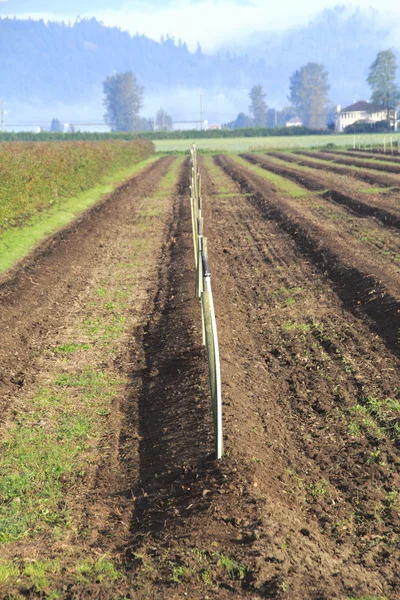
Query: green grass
point(17, 242)
point(47, 446)
point(71, 348)
point(284, 185)
point(39, 575)
point(256, 143)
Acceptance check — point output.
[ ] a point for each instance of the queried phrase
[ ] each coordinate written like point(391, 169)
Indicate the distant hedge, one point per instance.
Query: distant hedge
point(191, 134)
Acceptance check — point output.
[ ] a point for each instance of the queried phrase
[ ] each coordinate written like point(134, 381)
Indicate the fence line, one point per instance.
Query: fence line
point(203, 292)
point(387, 143)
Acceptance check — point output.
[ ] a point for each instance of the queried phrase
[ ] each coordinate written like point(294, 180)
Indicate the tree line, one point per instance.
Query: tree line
point(308, 97)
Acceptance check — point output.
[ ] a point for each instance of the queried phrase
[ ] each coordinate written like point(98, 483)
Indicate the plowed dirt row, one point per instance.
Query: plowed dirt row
point(310, 408)
point(296, 365)
point(354, 162)
point(343, 189)
point(371, 154)
point(358, 278)
point(364, 174)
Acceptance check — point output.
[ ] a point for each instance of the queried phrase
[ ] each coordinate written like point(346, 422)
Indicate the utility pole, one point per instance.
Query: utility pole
point(2, 115)
point(201, 112)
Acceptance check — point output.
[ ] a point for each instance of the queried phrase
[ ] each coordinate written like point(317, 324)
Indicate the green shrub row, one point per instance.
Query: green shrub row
point(34, 176)
point(191, 134)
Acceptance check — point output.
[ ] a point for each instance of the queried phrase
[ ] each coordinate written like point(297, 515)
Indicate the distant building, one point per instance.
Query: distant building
point(294, 122)
point(361, 111)
point(214, 126)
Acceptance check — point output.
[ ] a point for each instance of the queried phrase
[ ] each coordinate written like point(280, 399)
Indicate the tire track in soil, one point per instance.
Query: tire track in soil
point(360, 291)
point(298, 431)
point(307, 181)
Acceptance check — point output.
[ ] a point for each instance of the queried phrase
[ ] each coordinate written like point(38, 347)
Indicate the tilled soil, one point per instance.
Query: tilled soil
point(372, 154)
point(366, 173)
point(339, 189)
point(303, 505)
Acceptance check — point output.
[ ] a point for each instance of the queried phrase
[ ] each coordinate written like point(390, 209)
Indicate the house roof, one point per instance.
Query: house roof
point(362, 106)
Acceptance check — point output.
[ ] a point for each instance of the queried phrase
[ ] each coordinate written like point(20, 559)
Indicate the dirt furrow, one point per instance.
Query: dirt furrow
point(367, 175)
point(360, 289)
point(354, 162)
point(369, 154)
point(384, 208)
point(294, 366)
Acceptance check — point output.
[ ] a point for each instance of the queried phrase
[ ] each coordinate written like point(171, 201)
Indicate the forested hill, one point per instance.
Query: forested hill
point(61, 66)
point(61, 62)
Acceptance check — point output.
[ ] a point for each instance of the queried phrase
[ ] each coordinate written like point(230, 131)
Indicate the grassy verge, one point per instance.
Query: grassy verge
point(17, 242)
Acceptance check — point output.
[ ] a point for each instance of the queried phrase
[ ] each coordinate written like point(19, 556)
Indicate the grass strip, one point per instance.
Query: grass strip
point(284, 185)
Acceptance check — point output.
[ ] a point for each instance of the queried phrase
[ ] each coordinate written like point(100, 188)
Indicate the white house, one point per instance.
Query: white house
point(294, 122)
point(361, 111)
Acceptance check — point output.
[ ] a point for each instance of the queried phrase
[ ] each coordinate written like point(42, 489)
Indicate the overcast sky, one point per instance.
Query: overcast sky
point(212, 22)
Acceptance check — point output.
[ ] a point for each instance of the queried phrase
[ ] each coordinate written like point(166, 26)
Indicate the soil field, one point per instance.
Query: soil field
point(108, 489)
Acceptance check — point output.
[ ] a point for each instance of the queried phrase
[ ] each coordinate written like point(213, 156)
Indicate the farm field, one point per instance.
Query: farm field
point(107, 484)
point(269, 143)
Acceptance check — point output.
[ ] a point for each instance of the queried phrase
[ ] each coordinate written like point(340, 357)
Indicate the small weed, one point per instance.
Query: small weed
point(71, 348)
point(391, 498)
point(373, 456)
point(318, 490)
point(98, 571)
point(354, 429)
point(296, 326)
point(39, 571)
point(179, 572)
point(256, 460)
point(101, 291)
point(235, 570)
point(206, 577)
point(8, 571)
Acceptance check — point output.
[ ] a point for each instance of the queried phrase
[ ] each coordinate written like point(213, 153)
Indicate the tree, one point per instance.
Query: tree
point(309, 94)
point(385, 93)
point(123, 101)
point(258, 106)
point(163, 120)
point(56, 126)
point(240, 122)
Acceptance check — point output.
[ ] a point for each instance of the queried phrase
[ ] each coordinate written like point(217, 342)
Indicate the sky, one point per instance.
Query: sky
point(213, 23)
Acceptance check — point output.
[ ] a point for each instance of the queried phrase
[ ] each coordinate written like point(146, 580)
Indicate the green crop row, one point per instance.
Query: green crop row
point(34, 176)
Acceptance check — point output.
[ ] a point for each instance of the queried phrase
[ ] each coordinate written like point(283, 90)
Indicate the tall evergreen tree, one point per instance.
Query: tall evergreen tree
point(258, 107)
point(309, 89)
point(385, 93)
point(123, 101)
point(163, 120)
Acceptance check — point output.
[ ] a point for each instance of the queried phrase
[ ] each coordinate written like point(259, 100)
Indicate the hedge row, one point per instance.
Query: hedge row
point(192, 134)
point(36, 175)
